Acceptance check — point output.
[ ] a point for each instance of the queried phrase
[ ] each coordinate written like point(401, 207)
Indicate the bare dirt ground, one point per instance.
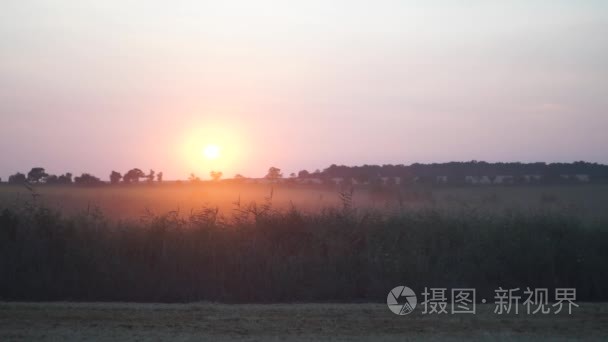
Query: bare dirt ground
point(292, 322)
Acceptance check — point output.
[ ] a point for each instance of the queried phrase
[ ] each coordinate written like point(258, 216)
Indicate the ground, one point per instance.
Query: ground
point(128, 202)
point(292, 322)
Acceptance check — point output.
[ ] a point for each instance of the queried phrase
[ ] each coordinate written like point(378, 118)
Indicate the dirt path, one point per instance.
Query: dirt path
point(296, 322)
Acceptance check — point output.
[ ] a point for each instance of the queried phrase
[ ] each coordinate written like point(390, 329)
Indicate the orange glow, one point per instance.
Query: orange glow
point(212, 146)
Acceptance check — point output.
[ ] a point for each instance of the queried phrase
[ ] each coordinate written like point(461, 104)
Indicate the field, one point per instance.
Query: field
point(229, 260)
point(285, 322)
point(587, 201)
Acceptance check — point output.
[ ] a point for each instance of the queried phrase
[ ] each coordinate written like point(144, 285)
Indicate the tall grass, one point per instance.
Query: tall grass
point(261, 254)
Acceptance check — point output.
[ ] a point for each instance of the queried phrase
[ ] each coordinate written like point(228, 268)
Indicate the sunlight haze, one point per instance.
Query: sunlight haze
point(95, 86)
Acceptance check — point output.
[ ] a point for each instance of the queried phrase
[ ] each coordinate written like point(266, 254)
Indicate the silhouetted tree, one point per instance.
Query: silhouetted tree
point(62, 179)
point(133, 175)
point(52, 179)
point(87, 179)
point(303, 174)
point(159, 177)
point(150, 176)
point(274, 173)
point(456, 172)
point(115, 177)
point(65, 178)
point(193, 178)
point(215, 175)
point(17, 178)
point(37, 175)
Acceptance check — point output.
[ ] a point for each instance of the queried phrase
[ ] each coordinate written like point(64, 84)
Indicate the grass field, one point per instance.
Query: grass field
point(61, 246)
point(124, 244)
point(290, 322)
point(589, 201)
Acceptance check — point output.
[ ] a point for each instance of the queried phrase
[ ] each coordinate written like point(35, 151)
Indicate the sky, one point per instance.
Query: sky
point(96, 86)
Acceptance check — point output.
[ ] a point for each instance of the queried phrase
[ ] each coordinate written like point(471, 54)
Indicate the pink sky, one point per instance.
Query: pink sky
point(112, 85)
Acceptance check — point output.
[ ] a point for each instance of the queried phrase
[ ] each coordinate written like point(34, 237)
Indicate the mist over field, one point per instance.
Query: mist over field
point(296, 241)
point(124, 202)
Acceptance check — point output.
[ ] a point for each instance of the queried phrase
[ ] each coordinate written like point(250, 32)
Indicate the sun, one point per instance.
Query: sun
point(206, 147)
point(211, 152)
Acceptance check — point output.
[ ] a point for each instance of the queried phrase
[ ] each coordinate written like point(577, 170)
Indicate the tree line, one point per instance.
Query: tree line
point(454, 171)
point(38, 175)
point(457, 171)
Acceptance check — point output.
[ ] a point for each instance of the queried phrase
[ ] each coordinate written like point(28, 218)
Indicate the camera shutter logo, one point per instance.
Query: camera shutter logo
point(401, 300)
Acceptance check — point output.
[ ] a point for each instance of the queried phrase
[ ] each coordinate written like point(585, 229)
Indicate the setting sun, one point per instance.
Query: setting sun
point(211, 152)
point(212, 146)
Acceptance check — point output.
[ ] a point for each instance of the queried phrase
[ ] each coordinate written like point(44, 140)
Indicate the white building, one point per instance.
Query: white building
point(504, 179)
point(532, 178)
point(441, 179)
point(477, 180)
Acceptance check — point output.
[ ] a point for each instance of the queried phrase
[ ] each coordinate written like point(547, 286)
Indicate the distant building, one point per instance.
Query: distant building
point(532, 178)
point(441, 179)
point(337, 180)
point(309, 181)
point(504, 179)
point(390, 180)
point(477, 180)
